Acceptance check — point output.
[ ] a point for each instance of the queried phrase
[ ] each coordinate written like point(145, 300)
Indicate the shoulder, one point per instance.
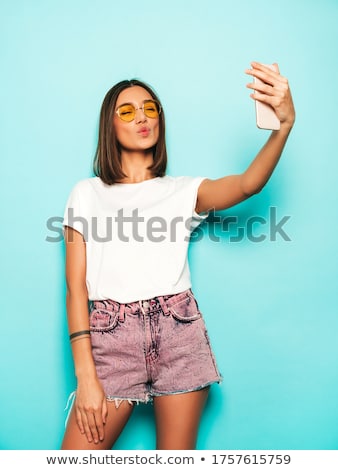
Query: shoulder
point(187, 182)
point(86, 185)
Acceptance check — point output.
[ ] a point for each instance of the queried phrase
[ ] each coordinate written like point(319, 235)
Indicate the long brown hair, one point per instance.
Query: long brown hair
point(107, 161)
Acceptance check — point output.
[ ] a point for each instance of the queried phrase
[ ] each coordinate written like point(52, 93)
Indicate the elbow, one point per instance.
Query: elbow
point(250, 186)
point(251, 190)
point(257, 190)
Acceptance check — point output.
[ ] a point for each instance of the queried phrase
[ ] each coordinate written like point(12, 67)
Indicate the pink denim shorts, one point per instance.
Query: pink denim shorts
point(151, 348)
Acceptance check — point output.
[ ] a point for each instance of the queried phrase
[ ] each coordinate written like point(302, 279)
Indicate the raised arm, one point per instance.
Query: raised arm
point(230, 190)
point(90, 403)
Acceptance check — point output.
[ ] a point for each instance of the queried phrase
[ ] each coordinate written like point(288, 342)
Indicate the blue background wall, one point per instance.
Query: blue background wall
point(270, 307)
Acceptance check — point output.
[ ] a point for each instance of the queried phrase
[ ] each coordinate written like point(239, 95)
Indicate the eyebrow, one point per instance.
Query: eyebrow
point(123, 104)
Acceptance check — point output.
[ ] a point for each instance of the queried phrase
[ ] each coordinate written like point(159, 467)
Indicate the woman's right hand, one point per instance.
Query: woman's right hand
point(91, 410)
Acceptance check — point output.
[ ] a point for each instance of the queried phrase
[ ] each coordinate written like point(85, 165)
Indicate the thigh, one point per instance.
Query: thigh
point(116, 420)
point(177, 419)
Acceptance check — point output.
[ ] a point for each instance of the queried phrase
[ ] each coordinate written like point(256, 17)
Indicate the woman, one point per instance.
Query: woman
point(126, 234)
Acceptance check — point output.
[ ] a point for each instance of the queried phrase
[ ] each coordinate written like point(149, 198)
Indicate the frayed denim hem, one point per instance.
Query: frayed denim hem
point(193, 389)
point(116, 400)
point(70, 403)
point(136, 401)
point(131, 401)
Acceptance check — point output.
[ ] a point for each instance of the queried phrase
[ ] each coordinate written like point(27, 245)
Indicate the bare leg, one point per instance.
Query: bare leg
point(116, 420)
point(177, 419)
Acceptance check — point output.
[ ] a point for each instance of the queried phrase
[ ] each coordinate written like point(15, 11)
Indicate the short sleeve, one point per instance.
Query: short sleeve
point(74, 215)
point(196, 218)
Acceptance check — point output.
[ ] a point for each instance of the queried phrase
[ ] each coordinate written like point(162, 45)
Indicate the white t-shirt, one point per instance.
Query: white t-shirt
point(136, 235)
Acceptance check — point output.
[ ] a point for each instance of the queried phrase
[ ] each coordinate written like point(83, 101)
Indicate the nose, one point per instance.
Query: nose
point(139, 115)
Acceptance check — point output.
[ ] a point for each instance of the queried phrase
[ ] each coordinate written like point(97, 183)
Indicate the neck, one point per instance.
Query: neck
point(135, 166)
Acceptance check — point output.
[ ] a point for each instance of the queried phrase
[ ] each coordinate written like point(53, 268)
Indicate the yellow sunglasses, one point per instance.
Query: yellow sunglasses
point(150, 108)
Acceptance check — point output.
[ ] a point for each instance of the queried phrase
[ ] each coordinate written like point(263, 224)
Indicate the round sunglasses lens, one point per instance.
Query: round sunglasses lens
point(126, 112)
point(151, 109)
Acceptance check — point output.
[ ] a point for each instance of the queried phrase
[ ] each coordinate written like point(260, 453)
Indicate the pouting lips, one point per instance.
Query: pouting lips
point(144, 131)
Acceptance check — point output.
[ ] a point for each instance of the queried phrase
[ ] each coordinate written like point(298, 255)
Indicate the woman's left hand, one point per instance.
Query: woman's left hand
point(274, 91)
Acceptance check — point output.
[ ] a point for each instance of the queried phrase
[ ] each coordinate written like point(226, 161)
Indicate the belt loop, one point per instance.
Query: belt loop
point(121, 312)
point(164, 306)
point(141, 307)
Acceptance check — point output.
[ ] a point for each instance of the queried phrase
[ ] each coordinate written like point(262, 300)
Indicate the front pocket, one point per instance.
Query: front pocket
point(186, 310)
point(103, 320)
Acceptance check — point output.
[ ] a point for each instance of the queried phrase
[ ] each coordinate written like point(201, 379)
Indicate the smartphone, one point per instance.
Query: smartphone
point(266, 117)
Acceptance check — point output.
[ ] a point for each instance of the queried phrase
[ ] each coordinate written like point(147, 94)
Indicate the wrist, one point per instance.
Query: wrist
point(288, 125)
point(285, 129)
